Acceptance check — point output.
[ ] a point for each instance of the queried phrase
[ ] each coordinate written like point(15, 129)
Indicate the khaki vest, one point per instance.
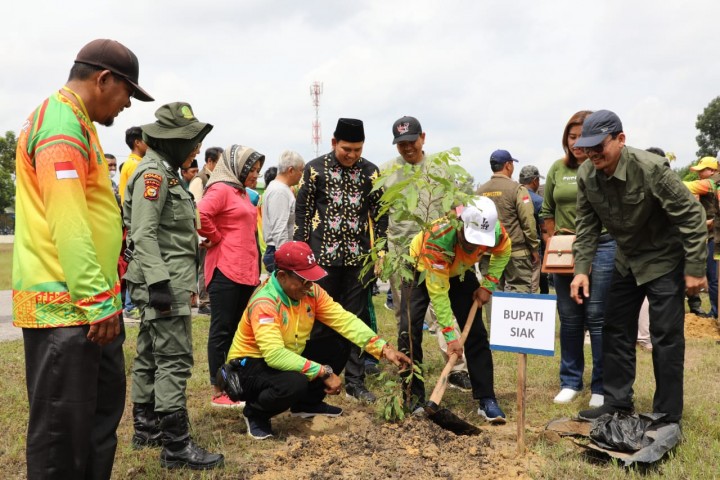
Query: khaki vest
point(503, 191)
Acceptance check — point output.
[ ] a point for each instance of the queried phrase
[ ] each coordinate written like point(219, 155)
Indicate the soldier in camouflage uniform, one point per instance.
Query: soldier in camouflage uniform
point(162, 275)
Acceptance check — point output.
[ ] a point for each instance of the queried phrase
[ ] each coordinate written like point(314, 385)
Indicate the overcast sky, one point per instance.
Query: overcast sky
point(479, 75)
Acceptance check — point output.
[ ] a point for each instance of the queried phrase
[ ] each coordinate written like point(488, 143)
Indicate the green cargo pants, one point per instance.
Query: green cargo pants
point(164, 357)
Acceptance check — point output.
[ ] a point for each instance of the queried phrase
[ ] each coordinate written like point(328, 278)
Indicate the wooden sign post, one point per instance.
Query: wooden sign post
point(523, 323)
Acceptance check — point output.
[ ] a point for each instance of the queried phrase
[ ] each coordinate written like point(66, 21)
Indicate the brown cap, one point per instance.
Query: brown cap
point(116, 57)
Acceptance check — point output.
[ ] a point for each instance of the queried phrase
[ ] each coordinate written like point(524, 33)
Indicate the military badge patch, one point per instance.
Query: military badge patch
point(151, 192)
point(152, 186)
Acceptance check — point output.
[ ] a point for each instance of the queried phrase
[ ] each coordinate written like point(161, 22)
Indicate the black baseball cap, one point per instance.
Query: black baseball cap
point(406, 129)
point(501, 156)
point(116, 57)
point(597, 126)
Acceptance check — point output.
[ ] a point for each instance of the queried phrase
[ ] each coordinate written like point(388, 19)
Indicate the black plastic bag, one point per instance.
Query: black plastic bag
point(623, 432)
point(228, 380)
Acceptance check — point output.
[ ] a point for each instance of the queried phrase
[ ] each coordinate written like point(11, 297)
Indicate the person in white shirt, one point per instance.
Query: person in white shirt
point(278, 205)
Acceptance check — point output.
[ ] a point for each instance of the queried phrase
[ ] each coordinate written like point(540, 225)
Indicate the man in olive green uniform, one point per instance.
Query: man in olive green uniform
point(409, 138)
point(517, 214)
point(161, 219)
point(660, 232)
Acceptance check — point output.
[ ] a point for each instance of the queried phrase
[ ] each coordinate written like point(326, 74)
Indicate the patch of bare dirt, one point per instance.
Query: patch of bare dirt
point(355, 446)
point(701, 327)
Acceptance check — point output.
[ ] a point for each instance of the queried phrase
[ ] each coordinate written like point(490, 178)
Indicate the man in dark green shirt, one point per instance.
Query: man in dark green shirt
point(660, 233)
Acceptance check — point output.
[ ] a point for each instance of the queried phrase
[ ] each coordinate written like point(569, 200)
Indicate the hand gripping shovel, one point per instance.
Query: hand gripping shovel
point(442, 416)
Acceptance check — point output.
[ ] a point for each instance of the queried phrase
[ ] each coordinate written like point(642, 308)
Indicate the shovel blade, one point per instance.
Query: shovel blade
point(449, 421)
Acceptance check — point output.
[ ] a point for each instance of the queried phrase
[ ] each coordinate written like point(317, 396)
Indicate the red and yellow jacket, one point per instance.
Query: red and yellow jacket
point(68, 229)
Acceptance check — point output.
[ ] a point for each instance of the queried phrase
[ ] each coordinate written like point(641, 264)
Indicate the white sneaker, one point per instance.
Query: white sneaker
point(566, 395)
point(597, 400)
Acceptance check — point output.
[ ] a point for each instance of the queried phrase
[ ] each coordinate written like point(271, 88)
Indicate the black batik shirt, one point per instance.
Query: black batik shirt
point(333, 210)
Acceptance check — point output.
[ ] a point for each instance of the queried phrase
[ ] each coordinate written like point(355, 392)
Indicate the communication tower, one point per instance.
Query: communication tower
point(316, 89)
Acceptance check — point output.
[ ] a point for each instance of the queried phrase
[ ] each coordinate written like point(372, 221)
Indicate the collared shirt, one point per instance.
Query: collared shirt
point(333, 210)
point(515, 211)
point(278, 213)
point(229, 220)
point(706, 192)
point(128, 168)
point(68, 231)
point(646, 208)
point(161, 220)
point(276, 328)
point(428, 208)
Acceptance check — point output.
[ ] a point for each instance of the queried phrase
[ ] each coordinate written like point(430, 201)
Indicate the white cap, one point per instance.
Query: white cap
point(480, 219)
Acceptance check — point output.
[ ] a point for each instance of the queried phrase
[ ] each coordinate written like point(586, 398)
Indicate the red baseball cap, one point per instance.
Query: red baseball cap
point(299, 258)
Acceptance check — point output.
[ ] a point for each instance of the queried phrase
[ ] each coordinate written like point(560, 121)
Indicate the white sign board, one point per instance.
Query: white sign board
point(523, 323)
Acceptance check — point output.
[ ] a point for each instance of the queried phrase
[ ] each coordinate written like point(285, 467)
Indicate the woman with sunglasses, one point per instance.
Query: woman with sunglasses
point(228, 221)
point(558, 212)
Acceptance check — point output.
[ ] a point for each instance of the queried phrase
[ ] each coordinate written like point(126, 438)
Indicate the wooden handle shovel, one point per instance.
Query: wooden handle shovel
point(442, 416)
point(442, 382)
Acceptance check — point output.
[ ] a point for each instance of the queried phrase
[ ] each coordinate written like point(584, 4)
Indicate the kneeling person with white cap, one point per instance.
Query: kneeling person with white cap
point(448, 254)
point(276, 371)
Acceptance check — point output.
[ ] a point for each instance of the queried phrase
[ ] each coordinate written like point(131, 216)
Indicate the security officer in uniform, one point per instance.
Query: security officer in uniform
point(516, 212)
point(162, 275)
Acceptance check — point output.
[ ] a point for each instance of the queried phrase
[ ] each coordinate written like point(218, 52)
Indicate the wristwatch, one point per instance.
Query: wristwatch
point(327, 371)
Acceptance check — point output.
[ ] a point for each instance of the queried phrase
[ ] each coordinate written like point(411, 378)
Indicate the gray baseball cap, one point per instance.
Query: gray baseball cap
point(597, 126)
point(528, 173)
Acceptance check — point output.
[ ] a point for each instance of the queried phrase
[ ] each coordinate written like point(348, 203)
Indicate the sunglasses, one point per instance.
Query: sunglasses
point(597, 149)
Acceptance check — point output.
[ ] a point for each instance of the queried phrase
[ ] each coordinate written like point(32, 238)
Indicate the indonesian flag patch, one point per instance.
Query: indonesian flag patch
point(526, 199)
point(266, 320)
point(65, 170)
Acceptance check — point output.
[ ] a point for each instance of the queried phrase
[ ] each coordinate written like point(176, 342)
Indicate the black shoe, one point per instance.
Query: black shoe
point(204, 310)
point(700, 313)
point(593, 413)
point(359, 392)
point(309, 411)
point(147, 426)
point(372, 369)
point(179, 451)
point(460, 380)
point(259, 428)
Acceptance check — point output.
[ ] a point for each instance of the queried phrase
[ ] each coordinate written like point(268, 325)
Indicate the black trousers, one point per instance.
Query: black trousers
point(228, 301)
point(667, 322)
point(76, 391)
point(343, 284)
point(477, 346)
point(270, 392)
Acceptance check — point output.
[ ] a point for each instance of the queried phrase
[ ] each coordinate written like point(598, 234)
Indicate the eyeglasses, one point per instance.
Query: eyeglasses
point(305, 283)
point(597, 149)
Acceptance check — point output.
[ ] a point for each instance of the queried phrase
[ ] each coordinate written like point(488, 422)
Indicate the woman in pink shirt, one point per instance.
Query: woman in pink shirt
point(228, 220)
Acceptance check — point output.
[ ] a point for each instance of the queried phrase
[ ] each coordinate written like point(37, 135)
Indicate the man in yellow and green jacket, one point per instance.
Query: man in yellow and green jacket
point(279, 367)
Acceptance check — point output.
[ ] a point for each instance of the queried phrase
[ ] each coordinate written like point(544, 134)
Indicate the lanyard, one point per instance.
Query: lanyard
point(82, 108)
